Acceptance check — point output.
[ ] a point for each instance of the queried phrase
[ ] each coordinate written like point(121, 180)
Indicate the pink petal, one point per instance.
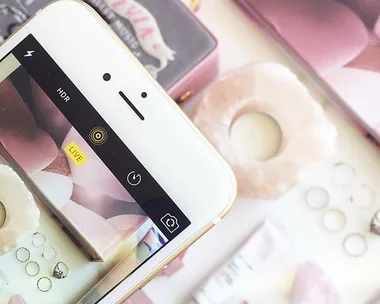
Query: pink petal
point(20, 135)
point(102, 235)
point(49, 116)
point(94, 175)
point(57, 188)
point(127, 223)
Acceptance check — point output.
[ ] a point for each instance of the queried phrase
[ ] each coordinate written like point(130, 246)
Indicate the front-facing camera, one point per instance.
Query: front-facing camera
point(144, 94)
point(107, 77)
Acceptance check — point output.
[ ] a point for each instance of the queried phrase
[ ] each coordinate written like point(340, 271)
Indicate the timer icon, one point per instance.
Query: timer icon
point(134, 179)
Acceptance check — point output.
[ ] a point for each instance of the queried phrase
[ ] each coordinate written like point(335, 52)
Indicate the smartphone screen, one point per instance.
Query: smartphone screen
point(95, 204)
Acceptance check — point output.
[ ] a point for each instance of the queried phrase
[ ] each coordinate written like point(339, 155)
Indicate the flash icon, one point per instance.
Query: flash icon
point(134, 179)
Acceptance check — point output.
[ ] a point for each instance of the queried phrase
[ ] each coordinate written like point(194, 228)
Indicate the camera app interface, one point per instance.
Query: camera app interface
point(94, 205)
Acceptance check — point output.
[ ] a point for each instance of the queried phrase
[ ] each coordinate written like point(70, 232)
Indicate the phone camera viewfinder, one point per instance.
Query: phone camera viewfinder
point(107, 77)
point(144, 95)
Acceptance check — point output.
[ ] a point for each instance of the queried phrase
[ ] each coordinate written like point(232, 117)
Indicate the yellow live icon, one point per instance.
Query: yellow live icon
point(76, 154)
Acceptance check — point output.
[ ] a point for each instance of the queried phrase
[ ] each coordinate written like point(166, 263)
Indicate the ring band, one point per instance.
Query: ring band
point(334, 220)
point(38, 240)
point(363, 196)
point(355, 245)
point(32, 268)
point(60, 271)
point(375, 223)
point(343, 174)
point(317, 198)
point(44, 281)
point(23, 254)
point(49, 253)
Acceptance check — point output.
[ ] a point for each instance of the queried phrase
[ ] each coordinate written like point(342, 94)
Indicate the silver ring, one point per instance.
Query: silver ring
point(355, 245)
point(49, 253)
point(23, 254)
point(60, 271)
point(317, 198)
point(334, 220)
point(32, 268)
point(38, 240)
point(343, 173)
point(375, 223)
point(44, 284)
point(363, 196)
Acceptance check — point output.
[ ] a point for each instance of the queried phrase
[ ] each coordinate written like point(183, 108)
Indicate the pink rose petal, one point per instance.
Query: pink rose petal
point(127, 223)
point(101, 234)
point(31, 147)
point(49, 116)
point(94, 175)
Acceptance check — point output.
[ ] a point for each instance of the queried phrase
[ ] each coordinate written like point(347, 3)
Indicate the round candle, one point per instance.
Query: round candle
point(256, 136)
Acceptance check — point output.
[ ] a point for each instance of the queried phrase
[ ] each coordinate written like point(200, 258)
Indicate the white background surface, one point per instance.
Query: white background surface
point(356, 278)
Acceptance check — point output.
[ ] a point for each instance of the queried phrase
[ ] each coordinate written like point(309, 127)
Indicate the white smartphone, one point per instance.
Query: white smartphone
point(122, 181)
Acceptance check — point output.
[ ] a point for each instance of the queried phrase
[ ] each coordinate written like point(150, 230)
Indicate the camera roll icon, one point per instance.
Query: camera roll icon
point(98, 136)
point(170, 222)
